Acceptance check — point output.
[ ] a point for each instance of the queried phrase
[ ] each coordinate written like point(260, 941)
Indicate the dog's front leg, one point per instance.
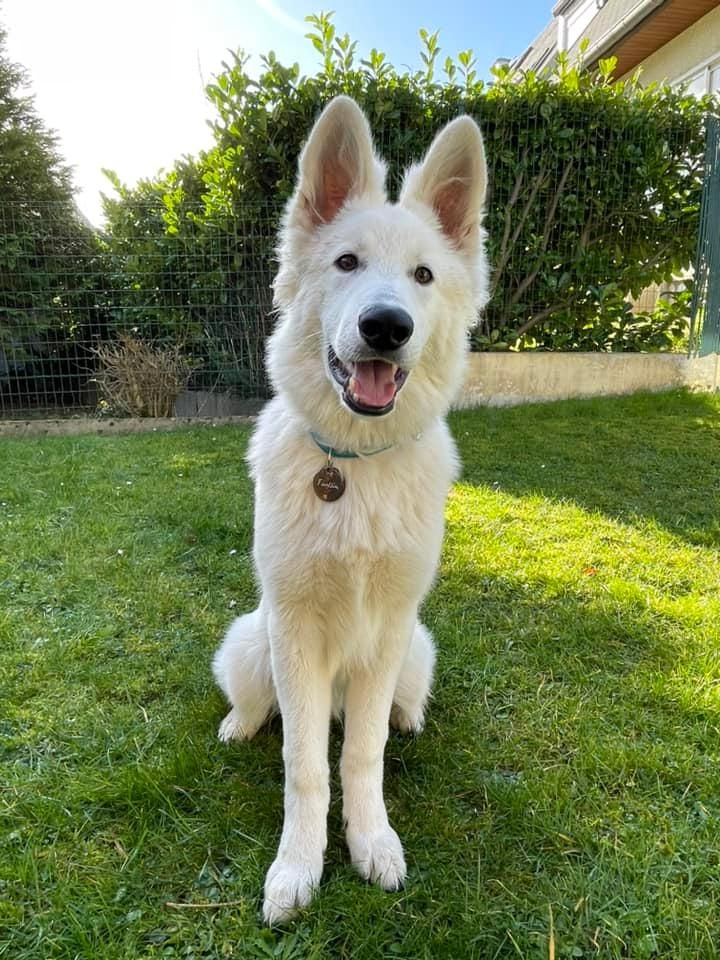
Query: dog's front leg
point(303, 685)
point(374, 846)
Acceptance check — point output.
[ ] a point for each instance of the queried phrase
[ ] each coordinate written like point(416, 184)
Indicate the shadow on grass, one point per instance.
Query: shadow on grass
point(527, 681)
point(553, 760)
point(647, 456)
point(556, 768)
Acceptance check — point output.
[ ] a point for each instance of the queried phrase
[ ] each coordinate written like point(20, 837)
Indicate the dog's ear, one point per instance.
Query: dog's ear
point(452, 181)
point(337, 163)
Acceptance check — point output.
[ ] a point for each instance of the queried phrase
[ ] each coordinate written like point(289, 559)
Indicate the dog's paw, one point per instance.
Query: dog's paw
point(406, 721)
point(234, 728)
point(288, 888)
point(378, 856)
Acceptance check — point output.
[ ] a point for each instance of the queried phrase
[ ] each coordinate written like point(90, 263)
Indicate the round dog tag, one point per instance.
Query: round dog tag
point(329, 484)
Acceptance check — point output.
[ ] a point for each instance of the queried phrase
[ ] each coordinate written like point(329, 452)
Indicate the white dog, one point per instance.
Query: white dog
point(352, 462)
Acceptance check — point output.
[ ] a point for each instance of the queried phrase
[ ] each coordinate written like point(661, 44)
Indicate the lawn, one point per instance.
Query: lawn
point(564, 799)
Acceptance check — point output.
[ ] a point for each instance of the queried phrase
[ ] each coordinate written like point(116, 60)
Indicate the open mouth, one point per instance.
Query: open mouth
point(369, 386)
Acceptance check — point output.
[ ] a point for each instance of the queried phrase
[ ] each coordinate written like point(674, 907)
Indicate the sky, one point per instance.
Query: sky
point(122, 83)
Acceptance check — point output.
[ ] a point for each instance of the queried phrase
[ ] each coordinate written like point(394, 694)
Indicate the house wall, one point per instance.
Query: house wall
point(693, 47)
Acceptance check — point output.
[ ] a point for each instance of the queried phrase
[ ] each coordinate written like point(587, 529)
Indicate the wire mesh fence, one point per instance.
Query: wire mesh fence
point(66, 290)
point(581, 218)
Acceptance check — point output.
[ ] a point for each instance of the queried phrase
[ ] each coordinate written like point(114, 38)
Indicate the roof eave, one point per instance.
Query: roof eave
point(619, 30)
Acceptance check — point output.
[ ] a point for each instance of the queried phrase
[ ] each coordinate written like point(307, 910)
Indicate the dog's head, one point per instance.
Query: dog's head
point(376, 298)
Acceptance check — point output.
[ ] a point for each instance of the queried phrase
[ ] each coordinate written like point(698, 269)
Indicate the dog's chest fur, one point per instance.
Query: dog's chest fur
point(357, 558)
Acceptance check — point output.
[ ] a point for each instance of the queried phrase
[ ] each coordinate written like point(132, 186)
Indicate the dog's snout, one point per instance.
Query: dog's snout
point(385, 328)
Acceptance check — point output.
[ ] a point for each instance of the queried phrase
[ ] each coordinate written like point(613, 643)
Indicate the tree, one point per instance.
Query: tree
point(50, 275)
point(31, 167)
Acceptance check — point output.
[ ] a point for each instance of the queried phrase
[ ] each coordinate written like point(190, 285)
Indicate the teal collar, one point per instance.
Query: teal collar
point(346, 454)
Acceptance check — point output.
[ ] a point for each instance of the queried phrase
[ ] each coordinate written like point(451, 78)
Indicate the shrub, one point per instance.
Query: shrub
point(141, 379)
point(178, 274)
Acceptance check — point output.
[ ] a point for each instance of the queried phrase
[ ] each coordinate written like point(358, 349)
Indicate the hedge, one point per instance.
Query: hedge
point(595, 187)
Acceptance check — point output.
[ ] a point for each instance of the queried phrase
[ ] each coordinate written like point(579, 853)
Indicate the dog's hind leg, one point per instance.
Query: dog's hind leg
point(413, 685)
point(242, 670)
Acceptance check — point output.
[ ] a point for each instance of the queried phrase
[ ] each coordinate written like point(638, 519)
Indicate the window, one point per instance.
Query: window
point(697, 84)
point(705, 79)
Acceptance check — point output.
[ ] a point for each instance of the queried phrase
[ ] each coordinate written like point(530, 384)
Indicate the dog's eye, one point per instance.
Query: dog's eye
point(347, 262)
point(423, 275)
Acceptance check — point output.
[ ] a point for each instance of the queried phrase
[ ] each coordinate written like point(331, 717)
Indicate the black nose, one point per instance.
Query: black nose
point(385, 328)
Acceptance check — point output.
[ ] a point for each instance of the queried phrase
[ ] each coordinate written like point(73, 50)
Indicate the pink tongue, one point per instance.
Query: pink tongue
point(373, 382)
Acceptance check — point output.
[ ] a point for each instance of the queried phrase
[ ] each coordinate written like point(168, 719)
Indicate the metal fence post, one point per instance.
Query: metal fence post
point(705, 313)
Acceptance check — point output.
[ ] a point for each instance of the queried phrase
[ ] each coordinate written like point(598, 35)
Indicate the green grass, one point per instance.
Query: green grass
point(564, 796)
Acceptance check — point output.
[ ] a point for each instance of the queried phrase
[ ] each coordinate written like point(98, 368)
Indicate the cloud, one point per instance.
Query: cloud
point(281, 16)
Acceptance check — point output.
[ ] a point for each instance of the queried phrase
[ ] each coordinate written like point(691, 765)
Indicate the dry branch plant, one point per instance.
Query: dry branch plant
point(141, 379)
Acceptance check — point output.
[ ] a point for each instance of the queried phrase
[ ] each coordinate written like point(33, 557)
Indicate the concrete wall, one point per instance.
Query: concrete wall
point(112, 426)
point(493, 380)
point(506, 379)
point(209, 406)
point(689, 49)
